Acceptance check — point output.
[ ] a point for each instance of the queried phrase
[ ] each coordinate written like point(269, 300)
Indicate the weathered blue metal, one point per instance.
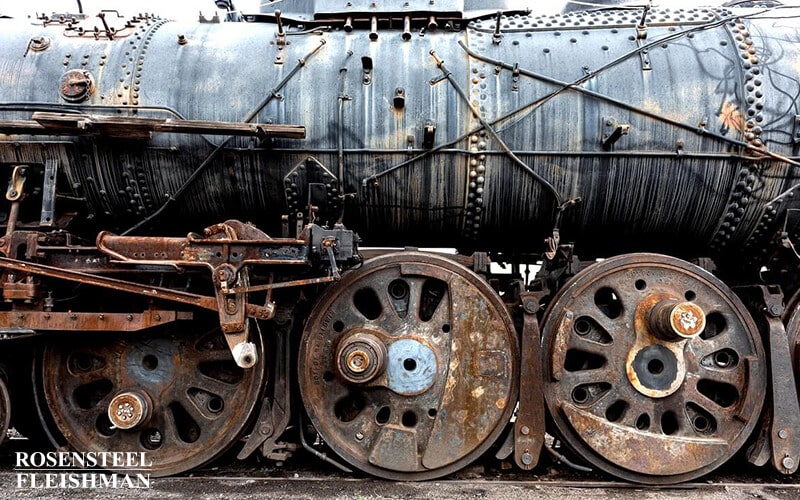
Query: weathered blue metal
point(661, 130)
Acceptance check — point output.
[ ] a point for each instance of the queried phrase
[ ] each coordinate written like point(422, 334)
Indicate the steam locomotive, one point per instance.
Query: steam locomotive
point(213, 236)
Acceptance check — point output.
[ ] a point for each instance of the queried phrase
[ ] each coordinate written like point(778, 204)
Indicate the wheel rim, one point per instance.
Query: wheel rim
point(5, 410)
point(637, 403)
point(179, 392)
point(408, 367)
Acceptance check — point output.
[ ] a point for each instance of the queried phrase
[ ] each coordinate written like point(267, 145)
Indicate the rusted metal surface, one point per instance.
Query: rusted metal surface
point(448, 382)
point(96, 322)
point(202, 301)
point(530, 424)
point(141, 128)
point(459, 139)
point(190, 400)
point(640, 407)
point(77, 85)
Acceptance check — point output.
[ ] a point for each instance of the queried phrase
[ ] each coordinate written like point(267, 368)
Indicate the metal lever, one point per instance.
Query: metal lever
point(328, 245)
point(784, 430)
point(529, 427)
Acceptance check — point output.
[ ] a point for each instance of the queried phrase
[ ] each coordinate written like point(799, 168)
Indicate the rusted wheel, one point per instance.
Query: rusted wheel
point(408, 366)
point(5, 410)
point(175, 394)
point(654, 371)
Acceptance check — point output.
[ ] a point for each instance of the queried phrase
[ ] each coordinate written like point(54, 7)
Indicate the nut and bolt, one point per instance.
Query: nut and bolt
point(527, 458)
point(530, 306)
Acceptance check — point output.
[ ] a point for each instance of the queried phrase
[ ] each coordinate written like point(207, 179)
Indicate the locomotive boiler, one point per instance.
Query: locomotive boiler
point(213, 232)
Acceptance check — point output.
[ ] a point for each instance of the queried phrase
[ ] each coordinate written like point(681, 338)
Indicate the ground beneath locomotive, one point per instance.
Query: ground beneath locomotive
point(307, 478)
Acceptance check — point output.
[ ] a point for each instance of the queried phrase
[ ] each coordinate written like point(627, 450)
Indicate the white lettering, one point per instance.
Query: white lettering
point(22, 459)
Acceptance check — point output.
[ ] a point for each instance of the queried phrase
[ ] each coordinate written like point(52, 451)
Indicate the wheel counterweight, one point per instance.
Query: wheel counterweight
point(654, 370)
point(409, 366)
point(177, 395)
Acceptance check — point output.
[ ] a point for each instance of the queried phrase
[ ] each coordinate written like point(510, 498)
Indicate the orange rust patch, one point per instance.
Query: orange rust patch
point(731, 117)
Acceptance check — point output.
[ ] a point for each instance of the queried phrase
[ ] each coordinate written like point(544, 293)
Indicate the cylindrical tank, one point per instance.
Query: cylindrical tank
point(657, 130)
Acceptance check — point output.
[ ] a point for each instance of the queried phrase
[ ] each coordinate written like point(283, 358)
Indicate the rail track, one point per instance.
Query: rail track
point(307, 478)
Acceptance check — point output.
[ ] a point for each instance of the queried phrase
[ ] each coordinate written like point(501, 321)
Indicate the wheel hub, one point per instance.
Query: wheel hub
point(129, 409)
point(362, 357)
point(675, 321)
point(654, 369)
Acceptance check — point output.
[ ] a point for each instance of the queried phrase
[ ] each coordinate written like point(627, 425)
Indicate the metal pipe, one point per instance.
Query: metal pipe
point(373, 28)
point(406, 28)
point(319, 454)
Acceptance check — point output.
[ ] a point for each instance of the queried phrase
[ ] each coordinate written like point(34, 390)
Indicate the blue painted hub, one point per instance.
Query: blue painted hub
point(151, 362)
point(412, 367)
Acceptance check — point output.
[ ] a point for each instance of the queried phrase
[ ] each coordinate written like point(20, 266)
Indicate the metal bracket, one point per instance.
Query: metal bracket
point(366, 70)
point(49, 193)
point(84, 321)
point(280, 57)
point(428, 134)
point(641, 36)
point(515, 78)
point(275, 414)
point(530, 424)
point(311, 183)
point(612, 132)
point(17, 183)
point(783, 428)
point(14, 194)
point(497, 36)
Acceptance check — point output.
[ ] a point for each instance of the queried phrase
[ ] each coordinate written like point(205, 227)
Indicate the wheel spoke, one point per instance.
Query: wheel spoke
point(732, 376)
point(573, 379)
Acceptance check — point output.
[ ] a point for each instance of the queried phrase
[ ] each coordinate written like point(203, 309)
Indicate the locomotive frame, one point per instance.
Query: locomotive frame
point(407, 364)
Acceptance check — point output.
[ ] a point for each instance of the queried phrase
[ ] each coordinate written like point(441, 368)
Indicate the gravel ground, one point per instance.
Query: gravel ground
point(312, 480)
